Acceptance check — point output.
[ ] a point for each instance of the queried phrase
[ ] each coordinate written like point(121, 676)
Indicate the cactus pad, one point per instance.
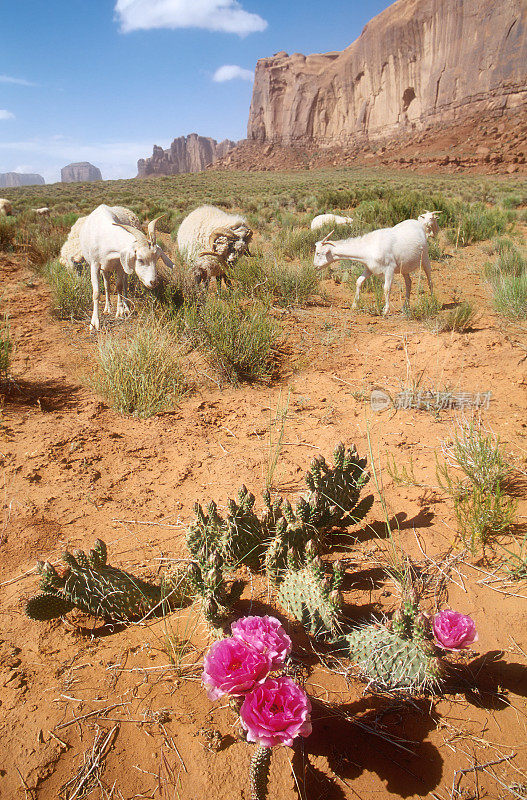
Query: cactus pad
point(311, 599)
point(391, 661)
point(95, 587)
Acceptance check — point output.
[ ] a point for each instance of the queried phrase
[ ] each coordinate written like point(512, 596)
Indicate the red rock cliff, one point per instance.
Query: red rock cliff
point(417, 64)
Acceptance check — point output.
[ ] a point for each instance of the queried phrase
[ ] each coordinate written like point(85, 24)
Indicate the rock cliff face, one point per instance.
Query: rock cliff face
point(10, 179)
point(190, 153)
point(81, 171)
point(418, 64)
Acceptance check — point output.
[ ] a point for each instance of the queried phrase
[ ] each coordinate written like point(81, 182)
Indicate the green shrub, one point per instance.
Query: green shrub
point(509, 262)
point(425, 309)
point(7, 233)
point(510, 296)
point(139, 372)
point(478, 223)
point(240, 340)
point(6, 346)
point(460, 319)
point(71, 292)
point(261, 276)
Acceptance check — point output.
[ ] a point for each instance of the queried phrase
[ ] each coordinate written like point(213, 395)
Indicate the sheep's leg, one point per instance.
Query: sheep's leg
point(121, 283)
point(107, 304)
point(428, 271)
point(388, 278)
point(94, 269)
point(408, 284)
point(360, 280)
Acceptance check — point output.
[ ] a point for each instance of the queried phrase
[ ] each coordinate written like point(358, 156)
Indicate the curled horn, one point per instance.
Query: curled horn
point(325, 240)
point(223, 231)
point(152, 229)
point(139, 235)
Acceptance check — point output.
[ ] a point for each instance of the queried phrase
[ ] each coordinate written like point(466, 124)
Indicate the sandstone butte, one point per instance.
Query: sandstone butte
point(190, 153)
point(419, 64)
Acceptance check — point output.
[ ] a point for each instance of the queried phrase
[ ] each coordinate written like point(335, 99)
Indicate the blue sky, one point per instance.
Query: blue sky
point(103, 80)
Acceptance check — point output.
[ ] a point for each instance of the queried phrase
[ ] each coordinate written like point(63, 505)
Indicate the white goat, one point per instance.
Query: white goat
point(401, 249)
point(42, 212)
point(71, 254)
point(329, 219)
point(5, 207)
point(211, 228)
point(428, 220)
point(109, 245)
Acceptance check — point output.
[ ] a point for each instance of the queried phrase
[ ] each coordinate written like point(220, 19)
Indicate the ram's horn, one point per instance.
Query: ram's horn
point(166, 259)
point(139, 235)
point(325, 240)
point(152, 228)
point(207, 253)
point(223, 231)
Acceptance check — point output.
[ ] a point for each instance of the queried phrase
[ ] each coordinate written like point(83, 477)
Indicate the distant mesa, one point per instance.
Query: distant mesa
point(80, 172)
point(12, 179)
point(190, 153)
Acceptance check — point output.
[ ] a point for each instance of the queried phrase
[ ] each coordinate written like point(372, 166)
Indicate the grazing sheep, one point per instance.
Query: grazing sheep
point(226, 235)
point(329, 219)
point(387, 251)
point(109, 245)
point(5, 207)
point(71, 254)
point(42, 212)
point(428, 220)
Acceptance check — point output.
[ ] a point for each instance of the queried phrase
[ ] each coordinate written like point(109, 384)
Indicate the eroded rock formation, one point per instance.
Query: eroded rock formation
point(82, 171)
point(418, 64)
point(11, 179)
point(190, 153)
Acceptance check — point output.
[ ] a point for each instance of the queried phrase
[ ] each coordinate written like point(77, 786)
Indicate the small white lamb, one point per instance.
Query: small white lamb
point(329, 219)
point(387, 251)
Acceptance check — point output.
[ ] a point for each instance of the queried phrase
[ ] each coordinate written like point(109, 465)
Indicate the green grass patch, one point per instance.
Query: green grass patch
point(139, 372)
point(71, 292)
point(6, 346)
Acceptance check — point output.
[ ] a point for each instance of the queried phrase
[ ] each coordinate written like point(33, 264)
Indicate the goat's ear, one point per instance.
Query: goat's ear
point(128, 261)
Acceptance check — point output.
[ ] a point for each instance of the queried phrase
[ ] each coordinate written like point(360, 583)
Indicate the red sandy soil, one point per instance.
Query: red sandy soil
point(74, 470)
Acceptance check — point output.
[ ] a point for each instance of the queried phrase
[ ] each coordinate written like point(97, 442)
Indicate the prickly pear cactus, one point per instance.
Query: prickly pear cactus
point(238, 537)
point(207, 580)
point(93, 586)
point(402, 656)
point(312, 599)
point(260, 764)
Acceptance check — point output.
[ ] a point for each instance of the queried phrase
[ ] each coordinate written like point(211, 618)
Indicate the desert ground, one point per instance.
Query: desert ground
point(88, 709)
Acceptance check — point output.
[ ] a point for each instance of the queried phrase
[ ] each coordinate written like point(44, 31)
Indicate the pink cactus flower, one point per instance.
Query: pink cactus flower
point(231, 667)
point(266, 635)
point(453, 630)
point(276, 712)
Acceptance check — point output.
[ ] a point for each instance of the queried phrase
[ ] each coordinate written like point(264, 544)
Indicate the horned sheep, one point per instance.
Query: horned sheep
point(109, 245)
point(329, 219)
point(212, 240)
point(428, 219)
point(387, 251)
point(5, 207)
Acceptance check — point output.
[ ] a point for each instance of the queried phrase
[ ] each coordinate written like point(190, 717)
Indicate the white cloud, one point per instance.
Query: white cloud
point(4, 114)
point(229, 72)
point(212, 15)
point(17, 81)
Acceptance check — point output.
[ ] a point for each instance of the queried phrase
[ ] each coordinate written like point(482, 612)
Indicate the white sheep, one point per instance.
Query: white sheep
point(206, 225)
point(71, 255)
point(109, 245)
point(428, 220)
point(42, 212)
point(5, 207)
point(401, 249)
point(329, 219)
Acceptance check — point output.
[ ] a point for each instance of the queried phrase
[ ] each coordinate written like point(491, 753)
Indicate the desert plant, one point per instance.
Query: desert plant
point(425, 309)
point(510, 261)
point(139, 371)
point(241, 341)
point(311, 598)
point(516, 564)
point(71, 291)
point(510, 296)
point(92, 585)
point(460, 319)
point(478, 223)
point(8, 231)
point(6, 346)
